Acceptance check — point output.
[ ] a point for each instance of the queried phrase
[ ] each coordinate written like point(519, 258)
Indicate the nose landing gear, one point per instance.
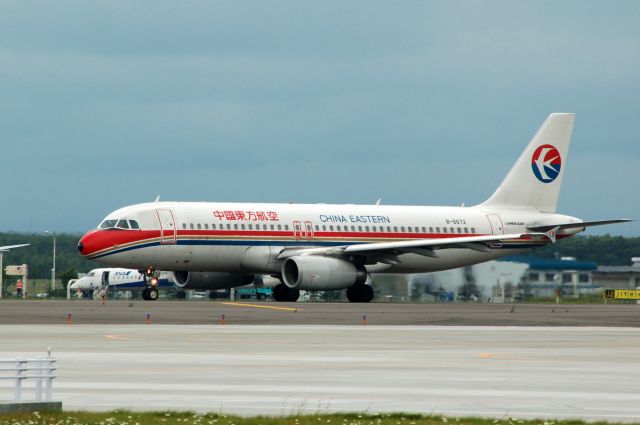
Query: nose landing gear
point(150, 293)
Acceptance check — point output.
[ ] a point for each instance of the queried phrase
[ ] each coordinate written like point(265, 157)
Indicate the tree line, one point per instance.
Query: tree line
point(604, 250)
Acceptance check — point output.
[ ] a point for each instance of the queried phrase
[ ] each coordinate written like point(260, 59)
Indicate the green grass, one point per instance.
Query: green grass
point(120, 417)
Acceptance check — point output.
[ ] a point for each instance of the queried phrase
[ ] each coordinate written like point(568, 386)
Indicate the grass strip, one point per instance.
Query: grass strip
point(122, 417)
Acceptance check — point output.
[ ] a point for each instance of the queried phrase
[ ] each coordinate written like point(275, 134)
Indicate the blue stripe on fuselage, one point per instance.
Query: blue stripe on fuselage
point(299, 242)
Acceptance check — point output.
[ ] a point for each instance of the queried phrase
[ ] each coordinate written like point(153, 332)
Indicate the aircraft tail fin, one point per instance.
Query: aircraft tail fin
point(534, 181)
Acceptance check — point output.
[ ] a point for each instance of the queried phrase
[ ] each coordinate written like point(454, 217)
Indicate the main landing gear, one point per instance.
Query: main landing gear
point(282, 292)
point(360, 293)
point(150, 293)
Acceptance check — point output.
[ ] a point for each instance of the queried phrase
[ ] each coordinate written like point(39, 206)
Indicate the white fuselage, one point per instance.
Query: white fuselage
point(118, 279)
point(230, 237)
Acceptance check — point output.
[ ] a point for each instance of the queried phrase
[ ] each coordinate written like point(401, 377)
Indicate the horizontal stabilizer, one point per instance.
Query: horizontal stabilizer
point(8, 247)
point(579, 225)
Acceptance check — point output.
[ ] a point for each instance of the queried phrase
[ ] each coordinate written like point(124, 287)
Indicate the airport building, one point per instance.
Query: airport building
point(619, 277)
point(514, 278)
point(546, 276)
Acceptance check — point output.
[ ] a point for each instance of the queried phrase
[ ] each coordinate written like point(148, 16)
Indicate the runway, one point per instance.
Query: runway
point(247, 312)
point(591, 373)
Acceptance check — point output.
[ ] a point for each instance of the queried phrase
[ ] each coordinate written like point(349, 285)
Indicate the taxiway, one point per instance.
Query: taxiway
point(552, 372)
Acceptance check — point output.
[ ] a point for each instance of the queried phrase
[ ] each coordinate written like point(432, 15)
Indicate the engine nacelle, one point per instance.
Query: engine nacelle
point(210, 280)
point(316, 273)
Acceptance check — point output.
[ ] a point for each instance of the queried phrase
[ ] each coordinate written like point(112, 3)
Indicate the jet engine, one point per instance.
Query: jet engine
point(316, 273)
point(210, 280)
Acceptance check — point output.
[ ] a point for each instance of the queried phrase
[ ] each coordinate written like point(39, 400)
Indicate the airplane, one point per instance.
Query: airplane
point(317, 247)
point(123, 280)
point(10, 247)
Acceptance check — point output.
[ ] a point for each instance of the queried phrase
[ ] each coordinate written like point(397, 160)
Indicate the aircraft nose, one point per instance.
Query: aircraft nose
point(80, 246)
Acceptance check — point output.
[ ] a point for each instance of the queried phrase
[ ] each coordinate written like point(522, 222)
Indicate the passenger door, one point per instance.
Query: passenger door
point(167, 227)
point(496, 224)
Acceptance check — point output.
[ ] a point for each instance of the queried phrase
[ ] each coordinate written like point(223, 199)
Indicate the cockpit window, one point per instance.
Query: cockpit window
point(119, 224)
point(108, 224)
point(90, 274)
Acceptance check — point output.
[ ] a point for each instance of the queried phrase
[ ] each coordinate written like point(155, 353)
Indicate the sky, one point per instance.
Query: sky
point(109, 103)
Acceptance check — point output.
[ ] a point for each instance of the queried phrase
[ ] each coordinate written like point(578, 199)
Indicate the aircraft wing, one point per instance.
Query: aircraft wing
point(387, 251)
point(547, 227)
point(8, 247)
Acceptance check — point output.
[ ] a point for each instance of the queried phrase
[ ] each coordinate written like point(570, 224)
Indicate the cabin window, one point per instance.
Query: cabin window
point(331, 228)
point(459, 230)
point(338, 228)
point(134, 224)
point(199, 226)
point(424, 230)
point(366, 228)
point(430, 229)
point(213, 226)
point(206, 226)
point(235, 227)
point(324, 227)
point(279, 227)
point(373, 228)
point(286, 227)
point(402, 228)
point(466, 230)
point(184, 225)
point(242, 226)
point(359, 228)
point(409, 229)
point(251, 226)
point(444, 230)
point(388, 228)
point(228, 226)
point(353, 228)
point(317, 227)
point(473, 230)
point(452, 229)
point(417, 230)
point(191, 226)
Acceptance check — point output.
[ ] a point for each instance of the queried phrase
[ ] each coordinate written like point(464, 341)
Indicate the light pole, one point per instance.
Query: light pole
point(53, 269)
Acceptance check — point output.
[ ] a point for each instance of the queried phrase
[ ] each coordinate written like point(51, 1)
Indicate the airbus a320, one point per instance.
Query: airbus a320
point(317, 247)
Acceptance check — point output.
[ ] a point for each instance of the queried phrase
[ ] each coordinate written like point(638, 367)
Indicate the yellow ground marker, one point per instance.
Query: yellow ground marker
point(269, 307)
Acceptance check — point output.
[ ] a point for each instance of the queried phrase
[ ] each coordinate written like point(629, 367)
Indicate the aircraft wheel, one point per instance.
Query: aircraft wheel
point(293, 295)
point(152, 294)
point(360, 293)
point(145, 294)
point(282, 292)
point(366, 294)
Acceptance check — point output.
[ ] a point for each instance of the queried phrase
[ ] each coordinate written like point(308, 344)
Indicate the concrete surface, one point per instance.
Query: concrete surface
point(581, 372)
point(270, 313)
point(30, 407)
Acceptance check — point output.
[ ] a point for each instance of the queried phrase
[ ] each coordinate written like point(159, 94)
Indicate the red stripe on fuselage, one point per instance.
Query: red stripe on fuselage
point(99, 240)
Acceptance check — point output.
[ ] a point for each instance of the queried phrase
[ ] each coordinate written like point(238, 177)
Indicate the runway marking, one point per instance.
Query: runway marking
point(269, 307)
point(504, 356)
point(114, 337)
